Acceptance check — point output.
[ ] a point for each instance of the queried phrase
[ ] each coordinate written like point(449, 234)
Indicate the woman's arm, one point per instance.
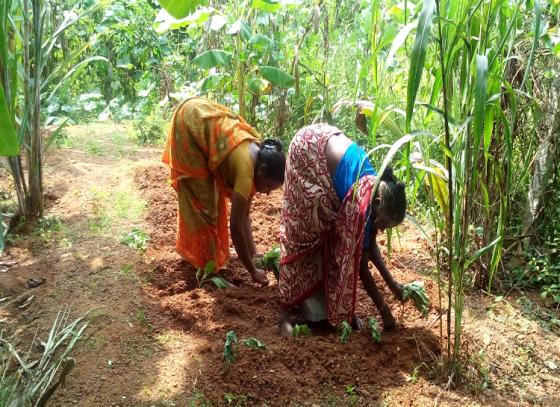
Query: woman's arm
point(238, 228)
point(369, 285)
point(377, 259)
point(249, 230)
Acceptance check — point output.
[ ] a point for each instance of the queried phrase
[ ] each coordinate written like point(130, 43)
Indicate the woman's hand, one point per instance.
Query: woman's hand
point(259, 277)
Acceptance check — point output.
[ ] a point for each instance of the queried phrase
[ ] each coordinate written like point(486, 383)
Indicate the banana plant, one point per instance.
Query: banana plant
point(247, 62)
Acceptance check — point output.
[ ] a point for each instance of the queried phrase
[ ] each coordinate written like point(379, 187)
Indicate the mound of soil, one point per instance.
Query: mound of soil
point(289, 369)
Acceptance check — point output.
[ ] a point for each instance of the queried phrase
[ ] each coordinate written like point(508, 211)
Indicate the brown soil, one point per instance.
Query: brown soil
point(160, 338)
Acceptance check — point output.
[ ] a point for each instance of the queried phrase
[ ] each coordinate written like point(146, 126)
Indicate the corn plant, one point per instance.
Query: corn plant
point(458, 125)
point(28, 37)
point(472, 47)
point(31, 380)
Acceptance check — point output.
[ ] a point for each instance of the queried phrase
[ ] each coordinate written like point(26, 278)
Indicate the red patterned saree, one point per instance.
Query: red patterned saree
point(321, 238)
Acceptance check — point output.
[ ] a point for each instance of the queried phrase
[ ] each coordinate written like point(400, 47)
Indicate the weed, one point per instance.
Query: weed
point(349, 389)
point(233, 399)
point(94, 148)
point(137, 239)
point(150, 129)
point(143, 320)
point(344, 329)
point(114, 209)
point(47, 228)
point(33, 382)
point(548, 320)
point(415, 372)
point(197, 399)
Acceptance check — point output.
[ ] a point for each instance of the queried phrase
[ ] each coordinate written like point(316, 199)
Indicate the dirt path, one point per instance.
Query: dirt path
point(158, 339)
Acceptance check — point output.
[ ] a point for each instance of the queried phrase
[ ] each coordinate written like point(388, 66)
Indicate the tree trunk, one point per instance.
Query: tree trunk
point(35, 173)
point(545, 157)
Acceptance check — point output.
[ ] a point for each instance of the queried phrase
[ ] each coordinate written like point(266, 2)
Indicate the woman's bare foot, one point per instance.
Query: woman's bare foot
point(388, 320)
point(259, 277)
point(357, 323)
point(285, 325)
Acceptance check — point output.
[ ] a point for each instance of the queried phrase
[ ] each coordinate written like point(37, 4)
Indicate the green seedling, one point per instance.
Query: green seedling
point(301, 330)
point(230, 348)
point(345, 329)
point(374, 326)
point(417, 292)
point(254, 343)
point(137, 239)
point(271, 261)
point(205, 275)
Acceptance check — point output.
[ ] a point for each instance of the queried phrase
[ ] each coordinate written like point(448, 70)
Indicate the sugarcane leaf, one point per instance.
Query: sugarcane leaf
point(9, 145)
point(480, 99)
point(418, 57)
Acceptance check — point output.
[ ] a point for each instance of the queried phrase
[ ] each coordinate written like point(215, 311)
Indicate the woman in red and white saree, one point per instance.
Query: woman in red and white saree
point(329, 224)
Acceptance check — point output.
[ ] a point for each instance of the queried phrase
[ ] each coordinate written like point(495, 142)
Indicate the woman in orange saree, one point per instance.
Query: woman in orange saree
point(215, 155)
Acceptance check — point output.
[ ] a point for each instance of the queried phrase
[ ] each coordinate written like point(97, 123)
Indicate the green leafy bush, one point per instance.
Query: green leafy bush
point(152, 128)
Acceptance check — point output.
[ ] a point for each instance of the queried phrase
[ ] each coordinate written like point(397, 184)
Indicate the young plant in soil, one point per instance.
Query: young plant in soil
point(301, 330)
point(205, 275)
point(374, 327)
point(345, 329)
point(271, 261)
point(254, 343)
point(417, 293)
point(137, 239)
point(230, 348)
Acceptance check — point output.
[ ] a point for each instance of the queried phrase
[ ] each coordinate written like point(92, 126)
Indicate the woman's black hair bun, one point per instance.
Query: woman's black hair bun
point(273, 143)
point(388, 175)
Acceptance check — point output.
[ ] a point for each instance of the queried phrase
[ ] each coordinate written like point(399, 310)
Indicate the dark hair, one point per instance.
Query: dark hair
point(271, 155)
point(393, 197)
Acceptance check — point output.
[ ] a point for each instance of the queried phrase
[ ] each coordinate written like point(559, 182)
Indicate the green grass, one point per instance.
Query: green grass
point(99, 139)
point(114, 209)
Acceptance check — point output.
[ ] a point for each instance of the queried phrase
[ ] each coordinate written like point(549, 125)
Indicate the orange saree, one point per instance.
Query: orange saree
point(201, 136)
